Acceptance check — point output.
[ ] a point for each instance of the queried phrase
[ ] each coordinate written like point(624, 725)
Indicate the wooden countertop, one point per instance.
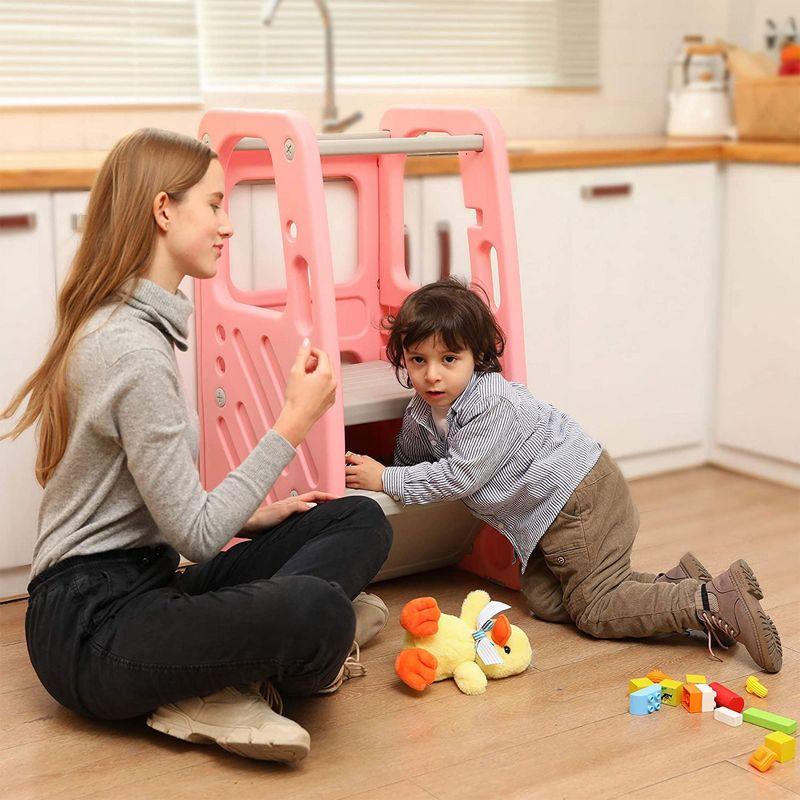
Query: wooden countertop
point(76, 169)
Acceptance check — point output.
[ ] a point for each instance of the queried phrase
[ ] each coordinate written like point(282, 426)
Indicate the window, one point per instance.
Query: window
point(401, 43)
point(92, 52)
point(112, 52)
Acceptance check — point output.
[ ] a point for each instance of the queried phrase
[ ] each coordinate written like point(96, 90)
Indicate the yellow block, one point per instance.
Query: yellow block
point(696, 679)
point(782, 745)
point(671, 692)
point(634, 684)
point(754, 686)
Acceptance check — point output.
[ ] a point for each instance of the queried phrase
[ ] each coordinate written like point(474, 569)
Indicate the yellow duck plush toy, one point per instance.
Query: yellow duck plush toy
point(470, 648)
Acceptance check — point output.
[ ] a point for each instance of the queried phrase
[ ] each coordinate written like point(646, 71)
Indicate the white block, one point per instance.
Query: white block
point(728, 716)
point(709, 696)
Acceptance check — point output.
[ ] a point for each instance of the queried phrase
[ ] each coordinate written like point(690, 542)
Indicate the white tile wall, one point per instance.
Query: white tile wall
point(637, 41)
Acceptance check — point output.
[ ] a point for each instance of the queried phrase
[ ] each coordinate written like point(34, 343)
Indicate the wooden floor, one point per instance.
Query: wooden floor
point(559, 730)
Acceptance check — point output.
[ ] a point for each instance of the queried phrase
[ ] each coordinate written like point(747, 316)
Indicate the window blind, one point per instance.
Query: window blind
point(92, 52)
point(388, 43)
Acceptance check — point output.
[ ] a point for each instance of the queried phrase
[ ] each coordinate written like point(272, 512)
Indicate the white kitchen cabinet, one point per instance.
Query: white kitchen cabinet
point(617, 294)
point(27, 316)
point(641, 305)
point(69, 210)
point(257, 256)
point(758, 390)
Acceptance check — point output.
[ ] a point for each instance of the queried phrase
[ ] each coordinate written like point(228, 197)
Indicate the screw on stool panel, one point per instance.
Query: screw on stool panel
point(219, 396)
point(289, 149)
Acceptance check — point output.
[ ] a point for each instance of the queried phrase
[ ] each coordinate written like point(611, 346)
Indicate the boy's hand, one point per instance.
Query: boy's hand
point(363, 472)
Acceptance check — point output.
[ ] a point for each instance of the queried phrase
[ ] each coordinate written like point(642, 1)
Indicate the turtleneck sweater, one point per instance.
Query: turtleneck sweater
point(128, 477)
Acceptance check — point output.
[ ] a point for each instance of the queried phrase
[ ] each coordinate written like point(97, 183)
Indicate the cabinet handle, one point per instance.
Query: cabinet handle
point(443, 237)
point(78, 222)
point(407, 250)
point(17, 222)
point(606, 190)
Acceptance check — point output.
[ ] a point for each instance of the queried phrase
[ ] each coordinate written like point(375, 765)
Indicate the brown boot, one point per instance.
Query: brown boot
point(729, 605)
point(688, 567)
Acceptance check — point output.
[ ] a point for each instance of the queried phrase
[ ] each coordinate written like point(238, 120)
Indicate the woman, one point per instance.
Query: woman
point(113, 630)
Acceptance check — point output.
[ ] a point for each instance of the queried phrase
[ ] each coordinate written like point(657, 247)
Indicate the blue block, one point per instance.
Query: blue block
point(645, 701)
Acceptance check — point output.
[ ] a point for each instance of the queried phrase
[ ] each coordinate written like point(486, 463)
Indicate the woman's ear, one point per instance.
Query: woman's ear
point(161, 210)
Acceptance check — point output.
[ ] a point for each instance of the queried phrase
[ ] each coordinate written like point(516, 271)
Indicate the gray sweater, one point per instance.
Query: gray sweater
point(128, 477)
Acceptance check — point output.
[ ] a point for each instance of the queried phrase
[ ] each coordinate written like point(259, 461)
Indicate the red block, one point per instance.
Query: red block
point(727, 698)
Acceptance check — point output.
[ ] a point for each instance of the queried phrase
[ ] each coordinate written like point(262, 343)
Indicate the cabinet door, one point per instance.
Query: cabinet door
point(542, 209)
point(616, 293)
point(758, 397)
point(69, 209)
point(640, 308)
point(27, 306)
point(444, 246)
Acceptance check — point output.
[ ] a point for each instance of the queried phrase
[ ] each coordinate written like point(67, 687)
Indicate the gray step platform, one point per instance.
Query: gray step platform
point(372, 393)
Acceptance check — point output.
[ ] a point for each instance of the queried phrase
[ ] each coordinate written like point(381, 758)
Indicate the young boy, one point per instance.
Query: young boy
point(531, 472)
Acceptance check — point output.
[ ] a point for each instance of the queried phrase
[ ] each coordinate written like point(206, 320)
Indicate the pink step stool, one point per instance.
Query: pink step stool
point(246, 340)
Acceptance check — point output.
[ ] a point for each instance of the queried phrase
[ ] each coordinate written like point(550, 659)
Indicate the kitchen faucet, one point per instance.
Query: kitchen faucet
point(330, 116)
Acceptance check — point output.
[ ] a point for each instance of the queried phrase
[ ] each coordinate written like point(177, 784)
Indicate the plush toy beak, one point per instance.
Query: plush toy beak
point(501, 632)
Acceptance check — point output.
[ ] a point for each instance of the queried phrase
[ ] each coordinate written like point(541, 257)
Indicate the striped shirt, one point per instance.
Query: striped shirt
point(512, 459)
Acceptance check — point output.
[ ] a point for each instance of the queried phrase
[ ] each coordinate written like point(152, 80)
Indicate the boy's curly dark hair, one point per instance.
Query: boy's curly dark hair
point(452, 311)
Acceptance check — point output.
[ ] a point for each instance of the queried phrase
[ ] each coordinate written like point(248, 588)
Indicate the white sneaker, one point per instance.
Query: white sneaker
point(352, 668)
point(238, 719)
point(371, 617)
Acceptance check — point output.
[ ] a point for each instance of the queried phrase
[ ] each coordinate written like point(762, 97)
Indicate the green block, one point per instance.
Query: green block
point(766, 719)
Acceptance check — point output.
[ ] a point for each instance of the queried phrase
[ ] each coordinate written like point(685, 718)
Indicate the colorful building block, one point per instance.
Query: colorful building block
point(634, 684)
point(695, 678)
point(782, 745)
point(762, 759)
point(692, 699)
point(727, 698)
point(657, 676)
point(671, 692)
point(754, 686)
point(732, 718)
point(766, 719)
point(709, 697)
point(645, 701)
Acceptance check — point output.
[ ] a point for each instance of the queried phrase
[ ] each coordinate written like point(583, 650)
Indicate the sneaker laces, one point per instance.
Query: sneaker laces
point(268, 691)
point(352, 668)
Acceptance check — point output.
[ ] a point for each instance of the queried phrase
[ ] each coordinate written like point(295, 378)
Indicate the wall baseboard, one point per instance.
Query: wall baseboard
point(756, 466)
point(14, 583)
point(641, 466)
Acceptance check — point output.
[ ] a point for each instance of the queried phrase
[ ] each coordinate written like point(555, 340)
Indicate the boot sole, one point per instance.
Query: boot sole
point(774, 652)
point(241, 741)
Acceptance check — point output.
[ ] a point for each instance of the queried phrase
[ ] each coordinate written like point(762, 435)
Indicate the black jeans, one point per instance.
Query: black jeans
point(116, 634)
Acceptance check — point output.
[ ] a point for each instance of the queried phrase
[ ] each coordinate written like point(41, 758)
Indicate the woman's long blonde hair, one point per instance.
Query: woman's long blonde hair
point(118, 243)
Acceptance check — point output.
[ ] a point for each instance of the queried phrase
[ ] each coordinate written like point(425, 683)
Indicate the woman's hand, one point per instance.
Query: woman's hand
point(269, 516)
point(363, 472)
point(310, 392)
